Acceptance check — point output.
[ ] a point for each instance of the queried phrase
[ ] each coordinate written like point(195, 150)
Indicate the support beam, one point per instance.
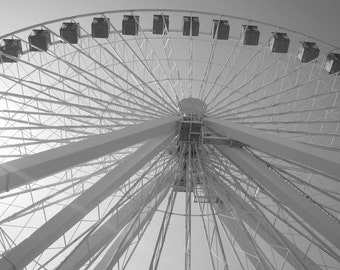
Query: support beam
point(233, 222)
point(122, 242)
point(286, 193)
point(163, 231)
point(112, 227)
point(27, 250)
point(297, 258)
point(325, 161)
point(241, 237)
point(188, 191)
point(22, 171)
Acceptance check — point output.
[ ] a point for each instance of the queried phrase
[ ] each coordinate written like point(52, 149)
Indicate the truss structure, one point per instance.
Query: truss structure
point(142, 146)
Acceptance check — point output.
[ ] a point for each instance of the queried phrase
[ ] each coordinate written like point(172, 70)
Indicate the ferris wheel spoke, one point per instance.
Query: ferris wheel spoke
point(166, 218)
point(69, 216)
point(172, 63)
point(237, 90)
point(69, 191)
point(60, 181)
point(32, 85)
point(139, 81)
point(211, 200)
point(309, 212)
point(105, 233)
point(291, 123)
point(101, 102)
point(91, 85)
point(144, 62)
point(228, 221)
point(299, 132)
point(62, 103)
point(329, 148)
point(276, 240)
point(277, 78)
point(311, 238)
point(240, 70)
point(266, 229)
point(234, 53)
point(31, 120)
point(163, 231)
point(294, 223)
point(83, 51)
point(91, 235)
point(287, 212)
point(68, 156)
point(71, 116)
point(307, 185)
point(243, 134)
point(122, 242)
point(208, 67)
point(277, 103)
point(285, 113)
point(232, 220)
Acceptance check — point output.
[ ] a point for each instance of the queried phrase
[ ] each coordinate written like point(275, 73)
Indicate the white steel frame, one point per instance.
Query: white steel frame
point(94, 127)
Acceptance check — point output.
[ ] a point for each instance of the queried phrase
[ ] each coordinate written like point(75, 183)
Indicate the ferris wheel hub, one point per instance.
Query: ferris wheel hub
point(192, 106)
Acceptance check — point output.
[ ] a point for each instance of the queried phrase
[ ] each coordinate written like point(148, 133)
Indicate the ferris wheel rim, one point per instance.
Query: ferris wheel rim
point(187, 11)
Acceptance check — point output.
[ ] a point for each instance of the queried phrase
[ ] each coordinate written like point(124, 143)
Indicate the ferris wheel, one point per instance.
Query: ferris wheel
point(164, 139)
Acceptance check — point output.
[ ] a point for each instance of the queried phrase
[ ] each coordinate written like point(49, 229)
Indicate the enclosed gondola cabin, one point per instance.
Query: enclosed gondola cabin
point(70, 32)
point(279, 42)
point(308, 51)
point(39, 40)
point(130, 25)
point(251, 35)
point(11, 50)
point(333, 63)
point(160, 23)
point(191, 25)
point(100, 27)
point(222, 28)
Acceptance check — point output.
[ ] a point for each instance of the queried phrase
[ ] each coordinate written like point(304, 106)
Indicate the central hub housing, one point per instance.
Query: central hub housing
point(193, 110)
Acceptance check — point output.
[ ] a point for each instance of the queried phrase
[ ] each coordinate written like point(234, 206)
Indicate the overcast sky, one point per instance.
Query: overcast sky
point(316, 18)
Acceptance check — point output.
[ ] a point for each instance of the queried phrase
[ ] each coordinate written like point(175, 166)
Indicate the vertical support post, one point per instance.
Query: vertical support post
point(162, 232)
point(297, 258)
point(211, 201)
point(112, 227)
point(122, 242)
point(188, 188)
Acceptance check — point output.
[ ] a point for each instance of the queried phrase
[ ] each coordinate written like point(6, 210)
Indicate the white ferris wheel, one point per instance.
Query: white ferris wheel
point(162, 139)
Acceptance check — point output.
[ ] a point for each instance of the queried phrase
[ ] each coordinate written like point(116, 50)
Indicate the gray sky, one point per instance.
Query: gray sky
point(317, 18)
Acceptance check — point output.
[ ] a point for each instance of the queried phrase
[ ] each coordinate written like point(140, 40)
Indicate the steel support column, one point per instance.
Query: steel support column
point(286, 193)
point(250, 217)
point(27, 250)
point(27, 169)
point(111, 228)
point(318, 159)
point(188, 191)
point(122, 242)
point(233, 222)
point(163, 231)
